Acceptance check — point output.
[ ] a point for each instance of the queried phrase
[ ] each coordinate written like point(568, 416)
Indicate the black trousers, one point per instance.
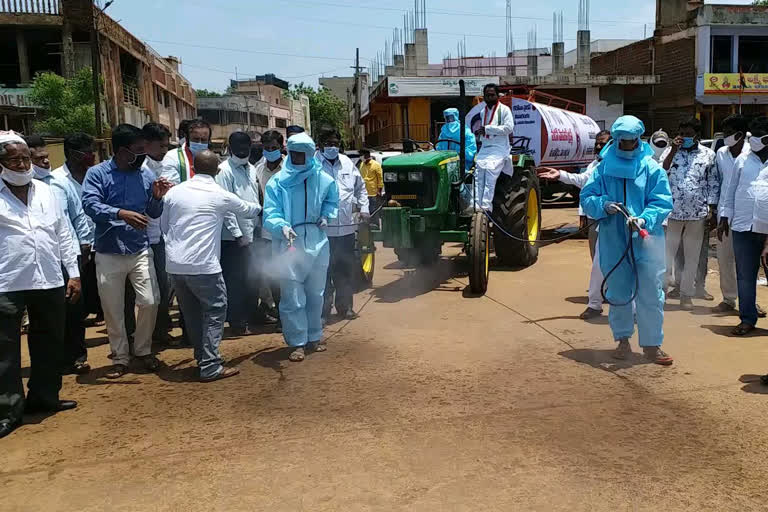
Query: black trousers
point(91, 300)
point(47, 313)
point(341, 275)
point(74, 338)
point(242, 281)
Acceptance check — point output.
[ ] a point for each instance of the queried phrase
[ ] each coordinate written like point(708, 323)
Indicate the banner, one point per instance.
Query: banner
point(439, 86)
point(730, 83)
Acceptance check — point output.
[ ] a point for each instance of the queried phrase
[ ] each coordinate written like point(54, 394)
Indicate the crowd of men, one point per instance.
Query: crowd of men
point(266, 236)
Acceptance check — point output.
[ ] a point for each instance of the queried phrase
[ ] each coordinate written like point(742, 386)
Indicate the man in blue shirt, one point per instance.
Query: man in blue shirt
point(120, 196)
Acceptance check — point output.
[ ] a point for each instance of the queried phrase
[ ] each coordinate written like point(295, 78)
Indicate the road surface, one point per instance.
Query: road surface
point(431, 401)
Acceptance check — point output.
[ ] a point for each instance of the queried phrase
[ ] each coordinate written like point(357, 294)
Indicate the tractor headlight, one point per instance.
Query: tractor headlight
point(416, 176)
point(390, 177)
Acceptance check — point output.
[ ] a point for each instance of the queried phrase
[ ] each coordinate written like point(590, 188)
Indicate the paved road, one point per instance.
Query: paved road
point(432, 401)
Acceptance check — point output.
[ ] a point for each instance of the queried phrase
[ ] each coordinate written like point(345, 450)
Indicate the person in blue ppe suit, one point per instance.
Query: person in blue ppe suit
point(451, 132)
point(300, 200)
point(628, 177)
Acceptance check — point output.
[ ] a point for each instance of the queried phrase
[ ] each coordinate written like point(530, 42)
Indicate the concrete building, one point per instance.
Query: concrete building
point(698, 51)
point(255, 106)
point(139, 84)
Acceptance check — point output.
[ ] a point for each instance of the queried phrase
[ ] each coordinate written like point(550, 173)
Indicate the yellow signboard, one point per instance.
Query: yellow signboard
point(734, 83)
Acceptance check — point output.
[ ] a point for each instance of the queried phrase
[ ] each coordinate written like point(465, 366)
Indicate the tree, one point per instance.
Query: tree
point(760, 3)
point(205, 93)
point(325, 109)
point(67, 104)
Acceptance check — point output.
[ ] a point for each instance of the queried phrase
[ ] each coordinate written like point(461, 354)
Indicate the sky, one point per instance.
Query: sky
point(302, 40)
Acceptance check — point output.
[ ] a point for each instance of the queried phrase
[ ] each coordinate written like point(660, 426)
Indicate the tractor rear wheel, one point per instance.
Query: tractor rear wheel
point(517, 207)
point(479, 253)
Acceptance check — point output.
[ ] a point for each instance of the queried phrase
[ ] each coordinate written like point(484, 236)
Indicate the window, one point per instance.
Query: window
point(280, 123)
point(722, 54)
point(752, 54)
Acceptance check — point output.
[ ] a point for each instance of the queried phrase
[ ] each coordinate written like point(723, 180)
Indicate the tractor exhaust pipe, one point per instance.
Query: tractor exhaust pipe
point(462, 131)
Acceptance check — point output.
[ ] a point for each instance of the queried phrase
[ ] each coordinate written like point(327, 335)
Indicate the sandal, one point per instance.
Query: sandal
point(320, 346)
point(742, 329)
point(658, 356)
point(81, 368)
point(223, 374)
point(297, 355)
point(764, 380)
point(117, 371)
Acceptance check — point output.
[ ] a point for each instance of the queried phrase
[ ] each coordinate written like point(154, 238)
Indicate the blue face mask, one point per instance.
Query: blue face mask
point(196, 147)
point(689, 142)
point(331, 153)
point(273, 156)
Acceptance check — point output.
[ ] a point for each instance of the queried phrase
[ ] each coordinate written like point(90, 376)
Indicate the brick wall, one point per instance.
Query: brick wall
point(634, 59)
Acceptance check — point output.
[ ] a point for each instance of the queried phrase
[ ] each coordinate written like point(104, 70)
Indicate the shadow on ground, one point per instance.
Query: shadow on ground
point(753, 384)
point(603, 360)
point(420, 281)
point(726, 331)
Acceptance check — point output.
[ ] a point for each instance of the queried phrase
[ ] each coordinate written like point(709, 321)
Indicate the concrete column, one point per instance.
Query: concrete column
point(68, 49)
point(21, 45)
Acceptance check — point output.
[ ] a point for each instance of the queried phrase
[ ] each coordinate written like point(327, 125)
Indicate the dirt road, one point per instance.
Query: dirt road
point(430, 401)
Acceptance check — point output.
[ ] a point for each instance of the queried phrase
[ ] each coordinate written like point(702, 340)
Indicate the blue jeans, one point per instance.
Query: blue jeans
point(203, 301)
point(747, 247)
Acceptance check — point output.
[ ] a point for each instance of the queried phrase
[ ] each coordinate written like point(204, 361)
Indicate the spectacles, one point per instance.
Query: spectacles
point(18, 161)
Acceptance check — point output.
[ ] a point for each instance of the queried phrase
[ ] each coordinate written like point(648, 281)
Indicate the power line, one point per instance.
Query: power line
point(442, 12)
point(232, 73)
point(259, 52)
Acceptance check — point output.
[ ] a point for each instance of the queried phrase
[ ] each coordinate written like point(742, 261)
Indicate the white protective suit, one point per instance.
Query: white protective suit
point(493, 156)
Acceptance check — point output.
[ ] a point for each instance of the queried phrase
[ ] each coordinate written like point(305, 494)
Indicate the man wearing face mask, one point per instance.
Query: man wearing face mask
point(595, 303)
point(628, 177)
point(300, 201)
point(695, 194)
point(238, 257)
point(180, 162)
point(72, 210)
point(341, 231)
point(450, 137)
point(120, 195)
point(158, 138)
point(80, 155)
point(738, 219)
point(735, 133)
point(35, 244)
point(493, 157)
point(266, 169)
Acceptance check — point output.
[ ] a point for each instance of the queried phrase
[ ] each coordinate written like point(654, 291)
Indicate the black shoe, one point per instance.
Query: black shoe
point(590, 313)
point(35, 407)
point(6, 428)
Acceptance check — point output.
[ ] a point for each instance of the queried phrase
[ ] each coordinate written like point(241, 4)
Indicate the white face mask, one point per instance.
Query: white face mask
point(238, 161)
point(17, 179)
point(41, 172)
point(153, 164)
point(756, 143)
point(733, 139)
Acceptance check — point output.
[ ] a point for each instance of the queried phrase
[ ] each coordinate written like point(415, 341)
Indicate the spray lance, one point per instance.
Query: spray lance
point(633, 224)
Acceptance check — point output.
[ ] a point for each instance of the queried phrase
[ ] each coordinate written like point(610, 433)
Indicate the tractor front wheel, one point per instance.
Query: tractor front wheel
point(479, 253)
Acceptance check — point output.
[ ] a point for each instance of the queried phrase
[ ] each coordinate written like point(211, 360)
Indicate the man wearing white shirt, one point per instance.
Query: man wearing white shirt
point(268, 166)
point(595, 303)
point(735, 134)
point(35, 243)
point(738, 218)
point(492, 158)
point(238, 256)
point(341, 230)
point(192, 222)
point(76, 352)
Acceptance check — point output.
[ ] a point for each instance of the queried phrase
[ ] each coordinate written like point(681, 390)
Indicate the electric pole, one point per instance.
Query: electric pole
point(356, 130)
point(96, 72)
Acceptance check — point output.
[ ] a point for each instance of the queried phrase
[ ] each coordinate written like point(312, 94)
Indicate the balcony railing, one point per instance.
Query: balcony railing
point(395, 134)
point(131, 95)
point(50, 7)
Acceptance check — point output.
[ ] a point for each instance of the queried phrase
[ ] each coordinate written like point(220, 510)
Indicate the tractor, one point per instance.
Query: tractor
point(424, 210)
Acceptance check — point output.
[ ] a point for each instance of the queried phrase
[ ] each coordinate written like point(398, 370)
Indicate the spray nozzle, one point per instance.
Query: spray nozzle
point(634, 222)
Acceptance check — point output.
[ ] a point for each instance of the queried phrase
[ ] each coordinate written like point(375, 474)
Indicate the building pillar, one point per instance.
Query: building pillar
point(67, 49)
point(21, 45)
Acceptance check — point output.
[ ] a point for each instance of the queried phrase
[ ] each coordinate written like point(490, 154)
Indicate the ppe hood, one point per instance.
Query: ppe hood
point(292, 174)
